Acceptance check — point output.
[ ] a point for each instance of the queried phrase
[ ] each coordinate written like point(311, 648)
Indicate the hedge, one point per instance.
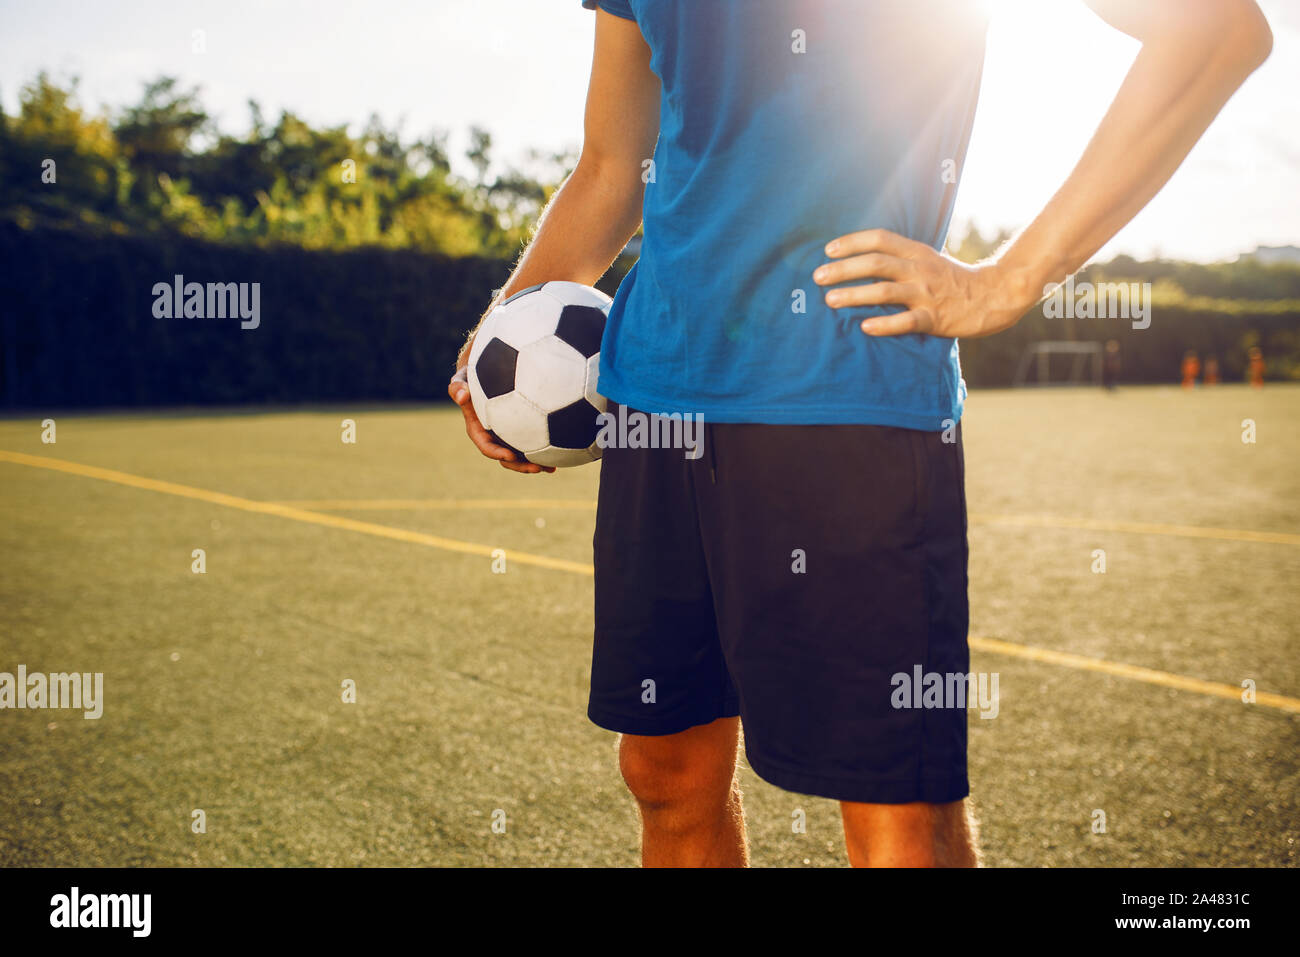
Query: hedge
point(77, 325)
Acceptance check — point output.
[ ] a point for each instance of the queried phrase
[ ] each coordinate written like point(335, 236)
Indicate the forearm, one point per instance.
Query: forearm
point(580, 233)
point(1177, 85)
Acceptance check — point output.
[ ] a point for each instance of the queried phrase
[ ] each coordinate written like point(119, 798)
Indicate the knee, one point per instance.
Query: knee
point(667, 774)
point(910, 835)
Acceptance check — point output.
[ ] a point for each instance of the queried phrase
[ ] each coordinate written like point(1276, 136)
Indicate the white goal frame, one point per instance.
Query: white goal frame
point(1085, 364)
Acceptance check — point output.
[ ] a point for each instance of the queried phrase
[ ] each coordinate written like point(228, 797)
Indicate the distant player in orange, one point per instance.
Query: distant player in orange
point(1256, 369)
point(1211, 370)
point(1191, 369)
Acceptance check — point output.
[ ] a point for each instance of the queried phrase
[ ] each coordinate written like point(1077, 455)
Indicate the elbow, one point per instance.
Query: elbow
point(1248, 34)
point(590, 162)
point(1263, 41)
point(610, 169)
point(1229, 36)
point(616, 179)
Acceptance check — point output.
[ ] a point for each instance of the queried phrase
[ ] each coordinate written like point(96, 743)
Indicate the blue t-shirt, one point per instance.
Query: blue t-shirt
point(782, 126)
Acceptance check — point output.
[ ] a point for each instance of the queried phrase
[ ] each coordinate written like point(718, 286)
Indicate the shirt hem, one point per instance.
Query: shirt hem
point(820, 414)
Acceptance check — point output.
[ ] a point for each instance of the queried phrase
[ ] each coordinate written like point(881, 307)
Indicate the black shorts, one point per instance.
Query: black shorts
point(789, 575)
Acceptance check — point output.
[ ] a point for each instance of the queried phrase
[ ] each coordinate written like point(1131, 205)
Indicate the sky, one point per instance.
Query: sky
point(519, 68)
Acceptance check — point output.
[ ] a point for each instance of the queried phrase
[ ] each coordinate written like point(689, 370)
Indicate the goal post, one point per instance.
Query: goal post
point(1060, 364)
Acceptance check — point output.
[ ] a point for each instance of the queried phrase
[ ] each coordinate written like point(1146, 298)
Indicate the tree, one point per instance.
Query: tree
point(155, 134)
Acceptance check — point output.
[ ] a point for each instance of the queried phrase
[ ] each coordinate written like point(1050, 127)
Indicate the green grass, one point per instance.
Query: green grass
point(223, 690)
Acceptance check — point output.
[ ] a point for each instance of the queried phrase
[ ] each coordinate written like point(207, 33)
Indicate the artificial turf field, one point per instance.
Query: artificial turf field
point(223, 689)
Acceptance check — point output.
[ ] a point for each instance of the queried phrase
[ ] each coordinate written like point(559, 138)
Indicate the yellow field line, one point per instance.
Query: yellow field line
point(1165, 679)
point(1140, 528)
point(1148, 675)
point(431, 504)
point(977, 518)
point(289, 511)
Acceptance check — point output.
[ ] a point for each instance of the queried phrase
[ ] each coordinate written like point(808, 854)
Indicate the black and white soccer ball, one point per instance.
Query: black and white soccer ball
point(533, 371)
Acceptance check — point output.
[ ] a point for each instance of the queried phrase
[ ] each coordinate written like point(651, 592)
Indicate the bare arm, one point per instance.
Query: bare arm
point(592, 216)
point(1195, 54)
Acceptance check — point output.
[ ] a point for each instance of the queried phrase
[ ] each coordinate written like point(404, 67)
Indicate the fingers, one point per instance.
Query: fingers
point(897, 264)
point(876, 294)
point(875, 241)
point(483, 439)
point(868, 266)
point(875, 254)
point(458, 391)
point(527, 468)
point(900, 323)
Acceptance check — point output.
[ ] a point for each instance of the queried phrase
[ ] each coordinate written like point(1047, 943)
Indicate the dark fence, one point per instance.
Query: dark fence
point(1150, 355)
point(77, 322)
point(78, 325)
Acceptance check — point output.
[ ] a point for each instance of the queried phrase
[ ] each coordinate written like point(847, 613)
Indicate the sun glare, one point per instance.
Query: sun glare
point(1051, 69)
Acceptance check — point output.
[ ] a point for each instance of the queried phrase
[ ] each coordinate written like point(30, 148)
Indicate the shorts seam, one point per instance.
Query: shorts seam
point(932, 788)
point(655, 727)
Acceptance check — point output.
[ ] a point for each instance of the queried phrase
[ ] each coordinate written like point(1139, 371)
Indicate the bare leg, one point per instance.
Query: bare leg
point(910, 835)
point(685, 787)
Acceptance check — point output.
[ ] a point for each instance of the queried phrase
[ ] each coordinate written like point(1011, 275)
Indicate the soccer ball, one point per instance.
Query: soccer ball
point(533, 370)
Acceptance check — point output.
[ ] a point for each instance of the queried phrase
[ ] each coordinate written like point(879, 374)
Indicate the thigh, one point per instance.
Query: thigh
point(837, 557)
point(657, 665)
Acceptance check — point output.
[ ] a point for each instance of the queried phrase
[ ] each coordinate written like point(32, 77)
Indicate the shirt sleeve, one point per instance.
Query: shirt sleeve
point(620, 8)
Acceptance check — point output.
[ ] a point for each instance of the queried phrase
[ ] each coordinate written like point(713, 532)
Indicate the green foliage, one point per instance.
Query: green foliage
point(974, 246)
point(161, 165)
point(375, 258)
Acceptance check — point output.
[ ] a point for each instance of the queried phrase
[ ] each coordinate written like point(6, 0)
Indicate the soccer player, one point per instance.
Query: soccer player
point(1255, 370)
point(1212, 374)
point(1191, 368)
point(795, 164)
